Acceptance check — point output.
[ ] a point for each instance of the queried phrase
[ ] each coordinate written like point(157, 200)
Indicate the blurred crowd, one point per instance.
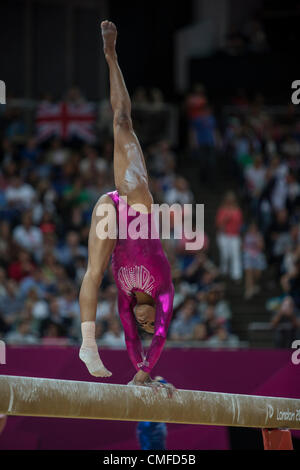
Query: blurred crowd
point(48, 190)
point(265, 151)
point(249, 37)
point(258, 225)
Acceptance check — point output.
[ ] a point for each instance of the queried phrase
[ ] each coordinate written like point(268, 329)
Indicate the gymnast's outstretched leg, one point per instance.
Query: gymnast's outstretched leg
point(131, 180)
point(130, 172)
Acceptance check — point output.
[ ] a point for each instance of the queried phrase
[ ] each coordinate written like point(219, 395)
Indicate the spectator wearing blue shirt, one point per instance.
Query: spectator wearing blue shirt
point(204, 135)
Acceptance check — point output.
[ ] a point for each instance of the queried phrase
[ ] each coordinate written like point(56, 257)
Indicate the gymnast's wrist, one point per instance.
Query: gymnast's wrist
point(142, 377)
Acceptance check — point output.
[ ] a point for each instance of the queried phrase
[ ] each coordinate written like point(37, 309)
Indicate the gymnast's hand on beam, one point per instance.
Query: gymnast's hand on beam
point(142, 378)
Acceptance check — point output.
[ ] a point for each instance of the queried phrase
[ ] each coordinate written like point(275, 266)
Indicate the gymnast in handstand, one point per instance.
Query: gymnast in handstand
point(140, 267)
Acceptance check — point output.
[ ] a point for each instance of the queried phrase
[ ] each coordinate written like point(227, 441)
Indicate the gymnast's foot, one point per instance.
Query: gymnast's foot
point(109, 34)
point(90, 356)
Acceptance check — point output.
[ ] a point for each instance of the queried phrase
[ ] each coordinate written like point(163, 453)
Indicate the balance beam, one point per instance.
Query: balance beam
point(29, 396)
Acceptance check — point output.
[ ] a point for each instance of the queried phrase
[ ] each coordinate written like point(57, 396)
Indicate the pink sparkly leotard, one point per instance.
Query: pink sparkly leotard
point(141, 265)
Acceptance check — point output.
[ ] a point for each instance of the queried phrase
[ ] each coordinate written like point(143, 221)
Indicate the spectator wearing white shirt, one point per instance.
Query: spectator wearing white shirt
point(92, 163)
point(279, 193)
point(255, 177)
point(58, 154)
point(114, 336)
point(19, 195)
point(181, 192)
point(27, 235)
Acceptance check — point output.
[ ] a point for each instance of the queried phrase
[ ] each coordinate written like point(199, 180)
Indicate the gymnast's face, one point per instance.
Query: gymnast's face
point(145, 316)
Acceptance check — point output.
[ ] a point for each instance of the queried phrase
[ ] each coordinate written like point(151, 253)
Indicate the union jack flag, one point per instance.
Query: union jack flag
point(66, 120)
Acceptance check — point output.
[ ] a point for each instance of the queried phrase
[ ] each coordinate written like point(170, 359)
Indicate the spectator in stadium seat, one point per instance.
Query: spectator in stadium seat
point(279, 191)
point(204, 140)
point(222, 338)
point(254, 260)
point(291, 256)
point(68, 304)
point(210, 321)
point(280, 238)
point(181, 192)
point(256, 37)
point(255, 176)
point(162, 161)
point(27, 235)
point(22, 334)
point(182, 328)
point(139, 97)
point(70, 249)
point(92, 162)
point(53, 336)
point(5, 241)
point(19, 195)
point(290, 147)
point(21, 266)
point(291, 283)
point(15, 127)
point(197, 266)
point(285, 323)
point(57, 155)
point(157, 99)
point(10, 303)
point(76, 194)
point(293, 193)
point(214, 298)
point(54, 316)
point(114, 336)
point(229, 222)
point(30, 153)
point(200, 332)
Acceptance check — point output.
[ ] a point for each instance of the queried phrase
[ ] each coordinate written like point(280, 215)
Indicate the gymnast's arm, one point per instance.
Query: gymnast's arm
point(100, 251)
point(132, 339)
point(164, 310)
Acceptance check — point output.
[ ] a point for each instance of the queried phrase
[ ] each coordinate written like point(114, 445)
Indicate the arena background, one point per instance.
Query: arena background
point(211, 84)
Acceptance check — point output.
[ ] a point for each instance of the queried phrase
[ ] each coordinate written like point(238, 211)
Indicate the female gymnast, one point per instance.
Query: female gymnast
point(140, 267)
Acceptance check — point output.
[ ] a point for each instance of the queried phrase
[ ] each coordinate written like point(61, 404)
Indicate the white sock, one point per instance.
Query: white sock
point(89, 353)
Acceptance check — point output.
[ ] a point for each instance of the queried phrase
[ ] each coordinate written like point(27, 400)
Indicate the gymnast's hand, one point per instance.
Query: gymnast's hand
point(142, 378)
